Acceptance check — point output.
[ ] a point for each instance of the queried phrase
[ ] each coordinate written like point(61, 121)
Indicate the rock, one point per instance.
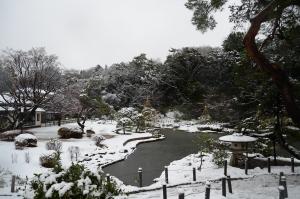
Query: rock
point(89, 132)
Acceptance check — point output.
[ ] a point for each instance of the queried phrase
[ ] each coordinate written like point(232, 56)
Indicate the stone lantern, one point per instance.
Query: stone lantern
point(239, 144)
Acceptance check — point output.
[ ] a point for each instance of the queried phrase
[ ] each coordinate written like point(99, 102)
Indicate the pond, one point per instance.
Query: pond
point(154, 156)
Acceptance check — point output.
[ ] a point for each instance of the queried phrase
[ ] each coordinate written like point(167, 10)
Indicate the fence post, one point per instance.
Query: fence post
point(225, 167)
point(281, 192)
point(280, 175)
point(164, 191)
point(283, 183)
point(108, 178)
point(140, 172)
point(181, 196)
point(13, 184)
point(207, 190)
point(229, 184)
point(224, 186)
point(166, 175)
point(246, 166)
point(293, 164)
point(194, 174)
point(269, 165)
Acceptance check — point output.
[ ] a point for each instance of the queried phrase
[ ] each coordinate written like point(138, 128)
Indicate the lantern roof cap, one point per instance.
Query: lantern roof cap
point(237, 137)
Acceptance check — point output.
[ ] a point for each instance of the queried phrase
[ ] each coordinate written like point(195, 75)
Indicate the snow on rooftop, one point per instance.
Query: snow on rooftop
point(12, 109)
point(5, 98)
point(237, 137)
point(40, 110)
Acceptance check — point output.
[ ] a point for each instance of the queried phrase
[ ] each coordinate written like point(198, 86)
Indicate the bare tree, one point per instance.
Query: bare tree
point(32, 79)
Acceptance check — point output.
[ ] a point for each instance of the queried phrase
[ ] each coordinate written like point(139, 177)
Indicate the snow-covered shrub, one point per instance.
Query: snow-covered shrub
point(219, 156)
point(98, 139)
point(27, 157)
point(150, 116)
point(175, 114)
point(207, 144)
point(49, 159)
point(10, 135)
point(74, 182)
point(25, 140)
point(128, 117)
point(74, 152)
point(263, 146)
point(54, 144)
point(66, 133)
point(210, 127)
point(205, 116)
point(89, 132)
point(14, 158)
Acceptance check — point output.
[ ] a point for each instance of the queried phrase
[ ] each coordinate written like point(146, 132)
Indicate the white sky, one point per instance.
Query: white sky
point(84, 33)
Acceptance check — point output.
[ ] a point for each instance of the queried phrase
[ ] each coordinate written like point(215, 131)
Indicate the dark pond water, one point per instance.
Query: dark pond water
point(152, 157)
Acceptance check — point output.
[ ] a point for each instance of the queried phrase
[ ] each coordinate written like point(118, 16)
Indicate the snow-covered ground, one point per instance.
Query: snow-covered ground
point(258, 184)
point(258, 187)
point(180, 171)
point(13, 161)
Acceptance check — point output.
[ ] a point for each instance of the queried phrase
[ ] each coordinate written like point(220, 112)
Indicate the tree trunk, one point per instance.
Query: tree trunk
point(277, 74)
point(81, 124)
point(201, 160)
point(274, 150)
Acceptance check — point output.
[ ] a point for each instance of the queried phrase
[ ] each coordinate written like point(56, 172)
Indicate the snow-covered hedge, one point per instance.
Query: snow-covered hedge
point(10, 135)
point(75, 182)
point(211, 127)
point(25, 140)
point(67, 133)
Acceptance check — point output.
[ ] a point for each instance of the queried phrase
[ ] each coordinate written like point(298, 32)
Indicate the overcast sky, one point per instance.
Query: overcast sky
point(84, 33)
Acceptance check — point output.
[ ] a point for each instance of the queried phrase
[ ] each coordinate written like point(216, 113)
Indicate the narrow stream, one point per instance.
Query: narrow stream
point(152, 157)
